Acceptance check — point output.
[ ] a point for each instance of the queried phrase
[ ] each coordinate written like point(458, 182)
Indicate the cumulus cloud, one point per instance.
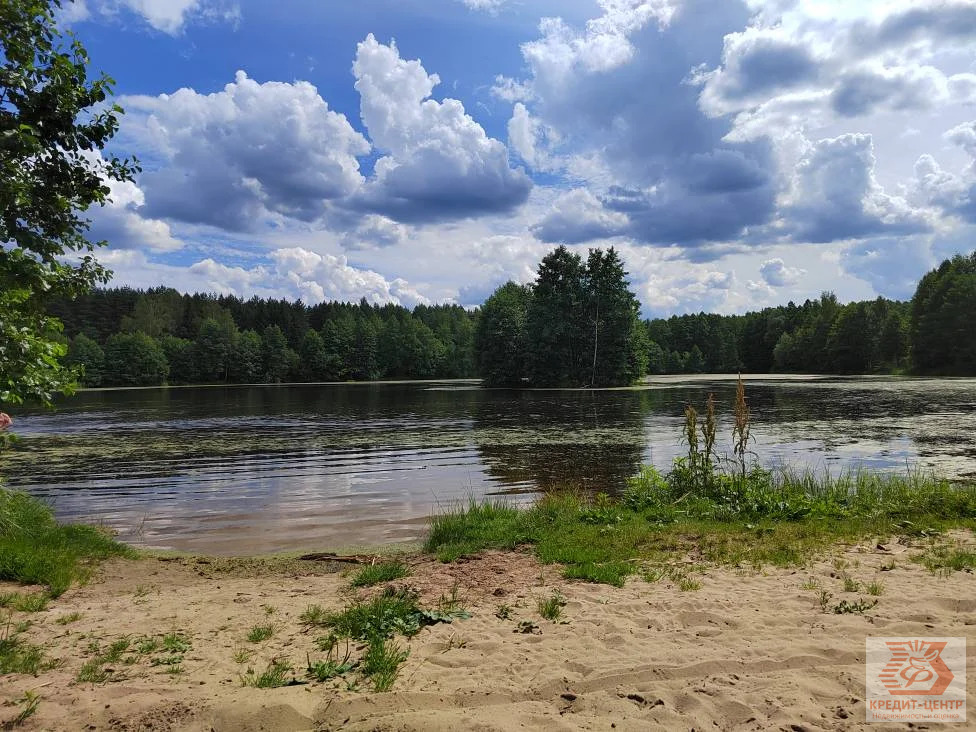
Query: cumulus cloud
point(776, 274)
point(489, 6)
point(892, 265)
point(374, 231)
point(953, 194)
point(579, 216)
point(836, 195)
point(440, 164)
point(252, 151)
point(308, 276)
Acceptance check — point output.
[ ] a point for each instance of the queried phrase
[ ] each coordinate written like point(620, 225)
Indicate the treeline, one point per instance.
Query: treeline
point(576, 325)
point(934, 333)
point(125, 337)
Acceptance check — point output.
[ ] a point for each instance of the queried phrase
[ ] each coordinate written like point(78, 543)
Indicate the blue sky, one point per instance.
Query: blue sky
point(738, 153)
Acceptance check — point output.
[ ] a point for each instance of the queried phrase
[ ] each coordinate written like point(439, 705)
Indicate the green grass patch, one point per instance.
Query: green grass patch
point(37, 550)
point(944, 560)
point(375, 574)
point(274, 676)
point(31, 602)
point(551, 608)
point(17, 656)
point(382, 661)
point(781, 518)
point(261, 633)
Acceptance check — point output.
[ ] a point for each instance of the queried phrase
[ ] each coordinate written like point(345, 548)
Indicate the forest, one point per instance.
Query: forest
point(576, 325)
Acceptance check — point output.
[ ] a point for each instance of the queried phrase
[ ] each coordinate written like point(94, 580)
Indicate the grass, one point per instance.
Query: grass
point(332, 666)
point(381, 663)
point(850, 584)
point(875, 589)
point(17, 656)
point(765, 517)
point(69, 618)
point(37, 550)
point(943, 559)
point(243, 655)
point(375, 574)
point(394, 611)
point(551, 608)
point(273, 677)
point(32, 602)
point(28, 704)
point(261, 633)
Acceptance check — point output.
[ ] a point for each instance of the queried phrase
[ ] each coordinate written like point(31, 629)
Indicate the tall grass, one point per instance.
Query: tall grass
point(778, 517)
point(37, 550)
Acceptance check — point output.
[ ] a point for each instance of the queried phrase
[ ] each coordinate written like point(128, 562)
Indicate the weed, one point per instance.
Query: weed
point(28, 704)
point(93, 672)
point(850, 584)
point(526, 627)
point(142, 591)
point(382, 661)
point(652, 574)
point(19, 657)
point(375, 574)
point(455, 641)
point(503, 612)
point(944, 560)
point(825, 598)
point(607, 573)
point(876, 588)
point(810, 584)
point(261, 633)
point(314, 615)
point(174, 670)
point(176, 643)
point(688, 584)
point(394, 611)
point(551, 608)
point(69, 618)
point(840, 563)
point(332, 666)
point(145, 646)
point(269, 609)
point(273, 677)
point(844, 607)
point(243, 655)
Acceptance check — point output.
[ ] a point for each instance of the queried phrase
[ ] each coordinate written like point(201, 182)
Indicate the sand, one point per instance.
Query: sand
point(748, 650)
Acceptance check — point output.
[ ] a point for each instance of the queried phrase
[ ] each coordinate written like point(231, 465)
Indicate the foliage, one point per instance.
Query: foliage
point(500, 340)
point(134, 359)
point(54, 121)
point(395, 611)
point(88, 356)
point(942, 334)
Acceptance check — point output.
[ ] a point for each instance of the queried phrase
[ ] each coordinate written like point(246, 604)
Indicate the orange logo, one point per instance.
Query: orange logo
point(917, 668)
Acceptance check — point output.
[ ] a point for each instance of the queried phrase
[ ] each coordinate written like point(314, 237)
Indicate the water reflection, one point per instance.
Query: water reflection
point(247, 469)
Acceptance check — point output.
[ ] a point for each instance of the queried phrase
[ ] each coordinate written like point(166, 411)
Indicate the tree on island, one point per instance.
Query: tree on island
point(53, 125)
point(577, 325)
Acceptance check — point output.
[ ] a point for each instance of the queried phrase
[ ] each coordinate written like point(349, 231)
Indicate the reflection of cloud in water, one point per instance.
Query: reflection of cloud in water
point(246, 469)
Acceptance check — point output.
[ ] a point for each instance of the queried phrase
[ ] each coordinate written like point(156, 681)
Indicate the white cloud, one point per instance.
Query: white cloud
point(777, 274)
point(489, 6)
point(168, 16)
point(250, 152)
point(440, 164)
point(578, 216)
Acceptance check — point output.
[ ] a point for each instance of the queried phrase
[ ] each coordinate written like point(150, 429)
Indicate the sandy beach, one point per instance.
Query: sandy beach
point(748, 650)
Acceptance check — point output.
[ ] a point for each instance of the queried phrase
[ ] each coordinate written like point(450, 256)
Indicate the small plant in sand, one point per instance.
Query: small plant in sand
point(825, 598)
point(261, 633)
point(810, 584)
point(503, 612)
point(944, 559)
point(333, 665)
point(688, 584)
point(243, 655)
point(850, 584)
point(69, 618)
point(455, 641)
point(857, 607)
point(28, 704)
point(32, 602)
point(381, 663)
point(551, 608)
point(313, 615)
point(275, 675)
point(875, 588)
point(375, 574)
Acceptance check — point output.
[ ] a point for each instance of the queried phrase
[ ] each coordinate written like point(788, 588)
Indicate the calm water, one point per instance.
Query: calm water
point(274, 468)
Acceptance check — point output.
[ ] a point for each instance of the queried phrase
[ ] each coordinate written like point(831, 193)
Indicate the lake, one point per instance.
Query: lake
point(248, 469)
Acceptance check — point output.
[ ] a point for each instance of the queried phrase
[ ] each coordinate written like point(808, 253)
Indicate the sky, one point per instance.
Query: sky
point(738, 154)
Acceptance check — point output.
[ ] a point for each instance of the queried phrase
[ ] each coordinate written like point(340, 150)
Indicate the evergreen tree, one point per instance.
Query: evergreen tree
point(313, 359)
point(279, 359)
point(611, 312)
point(181, 355)
point(943, 312)
point(214, 345)
point(500, 337)
point(556, 324)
